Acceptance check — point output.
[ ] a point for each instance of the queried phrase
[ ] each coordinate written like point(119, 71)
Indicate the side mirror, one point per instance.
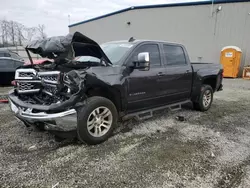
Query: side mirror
point(143, 61)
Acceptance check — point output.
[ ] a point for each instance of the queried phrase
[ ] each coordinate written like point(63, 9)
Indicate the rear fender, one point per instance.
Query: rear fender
point(213, 80)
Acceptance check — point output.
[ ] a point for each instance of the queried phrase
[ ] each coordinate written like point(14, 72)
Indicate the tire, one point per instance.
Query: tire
point(201, 105)
point(96, 120)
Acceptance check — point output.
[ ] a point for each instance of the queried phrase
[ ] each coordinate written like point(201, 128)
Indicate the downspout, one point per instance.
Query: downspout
point(212, 8)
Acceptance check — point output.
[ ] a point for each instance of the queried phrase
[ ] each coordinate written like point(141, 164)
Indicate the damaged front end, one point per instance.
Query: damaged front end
point(49, 98)
point(49, 94)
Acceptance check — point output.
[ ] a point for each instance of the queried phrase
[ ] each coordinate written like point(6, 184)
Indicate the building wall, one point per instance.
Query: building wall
point(203, 35)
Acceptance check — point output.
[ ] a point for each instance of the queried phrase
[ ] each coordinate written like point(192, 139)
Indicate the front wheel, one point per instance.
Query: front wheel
point(205, 98)
point(96, 120)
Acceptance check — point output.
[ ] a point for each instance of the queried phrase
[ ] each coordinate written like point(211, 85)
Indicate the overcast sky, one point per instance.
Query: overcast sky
point(54, 13)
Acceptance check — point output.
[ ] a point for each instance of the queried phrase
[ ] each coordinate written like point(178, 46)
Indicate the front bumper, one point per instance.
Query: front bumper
point(61, 121)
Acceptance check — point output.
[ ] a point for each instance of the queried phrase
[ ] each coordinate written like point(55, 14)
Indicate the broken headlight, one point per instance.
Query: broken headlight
point(71, 83)
point(66, 79)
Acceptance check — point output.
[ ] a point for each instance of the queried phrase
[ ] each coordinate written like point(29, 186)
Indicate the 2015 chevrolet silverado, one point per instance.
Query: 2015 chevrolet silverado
point(87, 88)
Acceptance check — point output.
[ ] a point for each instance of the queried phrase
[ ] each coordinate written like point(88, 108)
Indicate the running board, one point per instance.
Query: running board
point(146, 114)
point(175, 108)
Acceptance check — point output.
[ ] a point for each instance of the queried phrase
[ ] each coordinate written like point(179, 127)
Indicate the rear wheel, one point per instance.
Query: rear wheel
point(96, 120)
point(205, 98)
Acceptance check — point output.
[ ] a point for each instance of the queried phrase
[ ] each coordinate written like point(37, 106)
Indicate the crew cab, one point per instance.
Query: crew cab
point(88, 88)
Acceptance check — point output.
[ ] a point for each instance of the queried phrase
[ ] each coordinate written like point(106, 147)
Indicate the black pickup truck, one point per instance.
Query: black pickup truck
point(86, 88)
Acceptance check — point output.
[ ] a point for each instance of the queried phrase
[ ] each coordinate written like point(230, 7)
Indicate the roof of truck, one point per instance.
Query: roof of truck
point(137, 41)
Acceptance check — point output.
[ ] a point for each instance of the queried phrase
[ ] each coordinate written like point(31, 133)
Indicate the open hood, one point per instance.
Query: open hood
point(69, 46)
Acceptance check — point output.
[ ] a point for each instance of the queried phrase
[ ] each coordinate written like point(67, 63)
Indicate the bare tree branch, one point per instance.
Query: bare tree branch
point(30, 33)
point(41, 30)
point(4, 32)
point(13, 33)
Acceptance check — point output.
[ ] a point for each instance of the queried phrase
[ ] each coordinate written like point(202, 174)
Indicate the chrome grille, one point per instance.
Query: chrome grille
point(26, 74)
point(31, 81)
point(50, 78)
point(28, 87)
point(25, 86)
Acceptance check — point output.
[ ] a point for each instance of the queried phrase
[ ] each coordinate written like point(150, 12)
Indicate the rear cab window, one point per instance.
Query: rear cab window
point(174, 55)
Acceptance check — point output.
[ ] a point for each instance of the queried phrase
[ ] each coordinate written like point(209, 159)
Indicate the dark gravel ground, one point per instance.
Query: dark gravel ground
point(209, 149)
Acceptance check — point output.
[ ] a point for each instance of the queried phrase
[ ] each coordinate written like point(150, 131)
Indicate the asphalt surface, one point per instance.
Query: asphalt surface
point(210, 149)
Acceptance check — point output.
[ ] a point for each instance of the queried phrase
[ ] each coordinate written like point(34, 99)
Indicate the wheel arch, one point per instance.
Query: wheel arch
point(110, 93)
point(211, 81)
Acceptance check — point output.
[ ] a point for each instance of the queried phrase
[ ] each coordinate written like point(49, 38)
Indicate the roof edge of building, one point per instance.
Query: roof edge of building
point(159, 6)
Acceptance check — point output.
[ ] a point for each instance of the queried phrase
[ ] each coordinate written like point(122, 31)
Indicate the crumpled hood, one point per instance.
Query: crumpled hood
point(69, 46)
point(96, 76)
point(111, 76)
point(99, 71)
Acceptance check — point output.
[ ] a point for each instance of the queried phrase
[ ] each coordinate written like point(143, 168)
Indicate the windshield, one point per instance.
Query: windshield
point(114, 51)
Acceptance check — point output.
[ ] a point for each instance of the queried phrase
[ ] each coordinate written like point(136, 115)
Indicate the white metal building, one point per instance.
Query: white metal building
point(203, 27)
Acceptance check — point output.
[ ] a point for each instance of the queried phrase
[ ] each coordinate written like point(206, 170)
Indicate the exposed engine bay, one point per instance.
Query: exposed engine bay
point(60, 80)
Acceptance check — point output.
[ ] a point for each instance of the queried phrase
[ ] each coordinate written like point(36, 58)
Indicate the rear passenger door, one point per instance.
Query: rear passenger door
point(178, 74)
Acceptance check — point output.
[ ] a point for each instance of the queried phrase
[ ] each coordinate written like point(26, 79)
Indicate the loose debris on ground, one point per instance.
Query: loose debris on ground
point(208, 149)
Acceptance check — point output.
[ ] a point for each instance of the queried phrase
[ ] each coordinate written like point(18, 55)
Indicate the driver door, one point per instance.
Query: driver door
point(143, 85)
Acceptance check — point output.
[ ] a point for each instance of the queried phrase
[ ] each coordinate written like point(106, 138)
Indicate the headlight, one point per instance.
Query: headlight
point(73, 80)
point(68, 82)
point(66, 79)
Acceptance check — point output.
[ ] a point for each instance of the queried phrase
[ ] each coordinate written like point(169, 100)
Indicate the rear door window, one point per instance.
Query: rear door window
point(174, 55)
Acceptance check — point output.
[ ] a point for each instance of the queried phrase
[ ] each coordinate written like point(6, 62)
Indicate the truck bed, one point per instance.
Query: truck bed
point(206, 66)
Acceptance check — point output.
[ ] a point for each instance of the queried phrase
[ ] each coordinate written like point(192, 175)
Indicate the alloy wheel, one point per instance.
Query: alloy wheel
point(99, 121)
point(207, 98)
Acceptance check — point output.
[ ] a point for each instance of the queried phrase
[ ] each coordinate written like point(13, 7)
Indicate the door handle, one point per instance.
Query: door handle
point(187, 71)
point(160, 74)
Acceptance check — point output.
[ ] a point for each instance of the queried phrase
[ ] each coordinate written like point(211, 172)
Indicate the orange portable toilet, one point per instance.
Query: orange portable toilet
point(230, 59)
